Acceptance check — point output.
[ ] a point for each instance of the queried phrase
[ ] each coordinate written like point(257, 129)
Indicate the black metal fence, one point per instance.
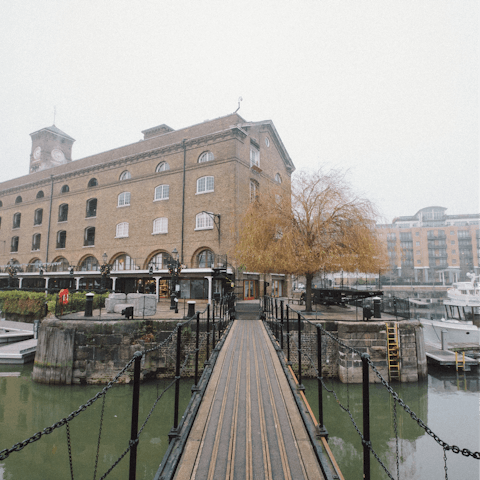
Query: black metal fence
point(303, 345)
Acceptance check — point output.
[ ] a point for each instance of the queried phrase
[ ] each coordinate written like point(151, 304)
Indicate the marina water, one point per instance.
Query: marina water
point(448, 403)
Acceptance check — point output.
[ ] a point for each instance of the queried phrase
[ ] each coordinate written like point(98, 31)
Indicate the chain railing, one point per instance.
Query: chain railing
point(188, 345)
point(302, 340)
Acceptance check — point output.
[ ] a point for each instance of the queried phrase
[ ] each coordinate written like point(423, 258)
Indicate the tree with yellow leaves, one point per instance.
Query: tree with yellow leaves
point(322, 225)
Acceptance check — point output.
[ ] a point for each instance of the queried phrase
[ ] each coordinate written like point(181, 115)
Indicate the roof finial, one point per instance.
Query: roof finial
point(239, 100)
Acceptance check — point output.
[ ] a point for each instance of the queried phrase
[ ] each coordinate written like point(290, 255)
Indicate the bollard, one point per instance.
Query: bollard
point(135, 407)
point(376, 307)
point(89, 305)
point(191, 309)
point(36, 324)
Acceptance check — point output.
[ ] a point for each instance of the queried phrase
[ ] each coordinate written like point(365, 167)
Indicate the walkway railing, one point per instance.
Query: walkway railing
point(190, 345)
point(304, 344)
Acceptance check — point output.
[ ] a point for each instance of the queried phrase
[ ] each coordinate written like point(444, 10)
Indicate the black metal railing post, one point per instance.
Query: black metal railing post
point(177, 376)
point(288, 337)
point(281, 324)
point(208, 335)
point(300, 385)
point(135, 406)
point(366, 417)
point(321, 427)
point(197, 335)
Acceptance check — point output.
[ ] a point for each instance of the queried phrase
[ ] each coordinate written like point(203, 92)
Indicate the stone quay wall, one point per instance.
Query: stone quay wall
point(365, 337)
point(94, 352)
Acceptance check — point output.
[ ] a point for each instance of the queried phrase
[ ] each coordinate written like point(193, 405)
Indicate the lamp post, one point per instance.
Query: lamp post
point(174, 268)
point(105, 271)
point(12, 272)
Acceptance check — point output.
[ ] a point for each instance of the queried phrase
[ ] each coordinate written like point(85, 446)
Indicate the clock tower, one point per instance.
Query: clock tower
point(50, 147)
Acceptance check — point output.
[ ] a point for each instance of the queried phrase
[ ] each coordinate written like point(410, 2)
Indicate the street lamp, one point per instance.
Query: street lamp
point(174, 268)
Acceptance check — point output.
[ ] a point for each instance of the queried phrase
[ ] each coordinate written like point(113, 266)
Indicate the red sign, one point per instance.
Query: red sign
point(63, 295)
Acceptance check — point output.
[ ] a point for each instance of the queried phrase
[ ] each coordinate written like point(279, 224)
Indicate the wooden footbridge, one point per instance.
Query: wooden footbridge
point(248, 425)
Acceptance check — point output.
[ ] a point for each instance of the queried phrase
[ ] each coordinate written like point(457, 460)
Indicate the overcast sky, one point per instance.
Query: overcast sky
point(387, 90)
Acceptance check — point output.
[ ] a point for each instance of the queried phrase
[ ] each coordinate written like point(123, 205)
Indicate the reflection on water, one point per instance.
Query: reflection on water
point(448, 403)
point(27, 407)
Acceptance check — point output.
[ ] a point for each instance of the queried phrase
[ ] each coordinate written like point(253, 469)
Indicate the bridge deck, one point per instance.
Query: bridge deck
point(248, 425)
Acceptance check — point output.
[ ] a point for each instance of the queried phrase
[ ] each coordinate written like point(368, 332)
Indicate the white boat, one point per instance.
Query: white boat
point(457, 332)
point(463, 299)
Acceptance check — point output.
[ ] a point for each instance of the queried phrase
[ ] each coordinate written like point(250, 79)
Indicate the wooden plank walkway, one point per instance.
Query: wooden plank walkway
point(447, 357)
point(248, 425)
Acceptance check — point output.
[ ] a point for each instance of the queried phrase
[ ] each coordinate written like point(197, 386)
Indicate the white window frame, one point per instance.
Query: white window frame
point(204, 221)
point(162, 167)
point(125, 175)
point(278, 178)
point(160, 226)
point(164, 191)
point(254, 156)
point(123, 199)
point(205, 184)
point(121, 230)
point(253, 190)
point(206, 157)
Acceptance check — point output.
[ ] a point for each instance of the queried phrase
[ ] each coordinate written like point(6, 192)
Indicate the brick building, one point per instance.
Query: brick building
point(432, 246)
point(131, 207)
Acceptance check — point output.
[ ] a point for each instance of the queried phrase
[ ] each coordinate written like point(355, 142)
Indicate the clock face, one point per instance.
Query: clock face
point(36, 153)
point(58, 155)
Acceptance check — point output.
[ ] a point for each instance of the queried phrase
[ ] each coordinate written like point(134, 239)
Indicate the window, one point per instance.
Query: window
point(452, 232)
point(162, 192)
point(92, 207)
point(125, 175)
point(418, 252)
point(63, 212)
point(124, 199)
point(90, 263)
point(122, 230)
point(61, 239)
point(38, 216)
point(205, 259)
point(454, 262)
point(36, 241)
point(60, 264)
point(205, 157)
point(417, 244)
point(65, 189)
point(278, 178)
point(205, 185)
point(417, 234)
point(162, 167)
point(452, 242)
point(40, 194)
point(93, 182)
point(16, 220)
point(254, 157)
point(18, 199)
point(419, 261)
point(267, 141)
point(160, 225)
point(14, 244)
point(454, 252)
point(124, 262)
point(1, 203)
point(204, 221)
point(253, 190)
point(160, 260)
point(89, 237)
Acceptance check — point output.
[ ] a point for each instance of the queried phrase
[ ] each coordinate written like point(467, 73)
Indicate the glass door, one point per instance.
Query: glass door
point(248, 289)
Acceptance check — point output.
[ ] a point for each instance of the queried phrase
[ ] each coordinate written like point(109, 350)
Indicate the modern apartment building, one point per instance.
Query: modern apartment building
point(432, 246)
point(131, 207)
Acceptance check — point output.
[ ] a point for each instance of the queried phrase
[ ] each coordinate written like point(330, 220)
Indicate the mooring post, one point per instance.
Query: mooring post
point(135, 405)
point(197, 334)
point(300, 385)
point(281, 324)
point(288, 338)
point(366, 417)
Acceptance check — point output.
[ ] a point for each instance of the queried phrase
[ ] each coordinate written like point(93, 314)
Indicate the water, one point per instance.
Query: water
point(447, 403)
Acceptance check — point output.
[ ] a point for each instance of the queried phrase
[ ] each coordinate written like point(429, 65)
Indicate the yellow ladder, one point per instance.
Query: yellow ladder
point(460, 363)
point(393, 352)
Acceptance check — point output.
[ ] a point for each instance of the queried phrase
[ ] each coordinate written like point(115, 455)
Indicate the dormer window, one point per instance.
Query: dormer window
point(93, 182)
point(126, 175)
point(205, 157)
point(162, 167)
point(40, 194)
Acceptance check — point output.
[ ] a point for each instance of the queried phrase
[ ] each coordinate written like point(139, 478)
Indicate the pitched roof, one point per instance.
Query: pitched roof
point(55, 130)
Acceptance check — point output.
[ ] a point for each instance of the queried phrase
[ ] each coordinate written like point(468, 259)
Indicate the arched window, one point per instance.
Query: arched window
point(60, 264)
point(17, 218)
point(205, 259)
point(65, 189)
point(160, 261)
point(278, 178)
point(89, 263)
point(162, 192)
point(63, 212)
point(93, 182)
point(18, 199)
point(61, 239)
point(38, 216)
point(124, 262)
point(125, 175)
point(89, 237)
point(121, 230)
point(36, 241)
point(204, 221)
point(162, 167)
point(1, 203)
point(253, 190)
point(205, 157)
point(92, 207)
point(34, 266)
point(205, 185)
point(123, 199)
point(14, 244)
point(40, 194)
point(160, 225)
